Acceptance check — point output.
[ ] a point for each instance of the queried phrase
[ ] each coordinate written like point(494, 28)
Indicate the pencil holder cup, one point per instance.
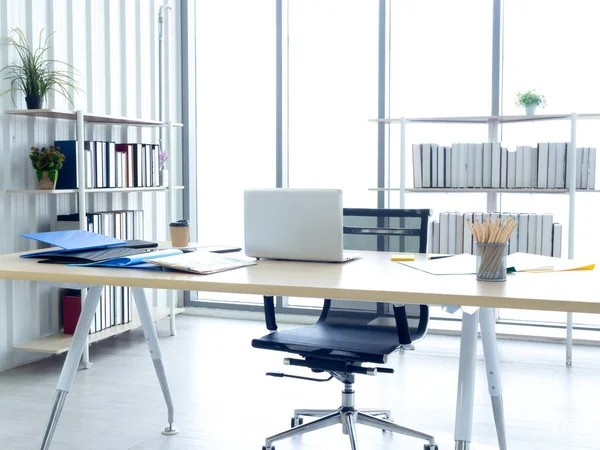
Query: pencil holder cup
point(491, 261)
point(180, 233)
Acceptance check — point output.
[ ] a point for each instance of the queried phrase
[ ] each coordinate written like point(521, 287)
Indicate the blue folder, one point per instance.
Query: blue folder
point(70, 240)
point(134, 261)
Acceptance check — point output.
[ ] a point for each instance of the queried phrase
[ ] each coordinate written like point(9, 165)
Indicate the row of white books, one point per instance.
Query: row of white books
point(489, 165)
point(536, 233)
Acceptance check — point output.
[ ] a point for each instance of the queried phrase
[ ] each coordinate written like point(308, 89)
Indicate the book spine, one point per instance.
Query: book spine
point(417, 167)
point(486, 181)
point(436, 237)
point(519, 169)
point(496, 165)
point(444, 230)
point(452, 233)
point(546, 227)
point(552, 160)
point(534, 166)
point(526, 162)
point(441, 167)
point(434, 168)
point(557, 240)
point(542, 165)
point(447, 167)
point(459, 233)
point(471, 164)
point(531, 233)
point(522, 233)
point(426, 161)
point(592, 170)
point(561, 165)
point(467, 235)
point(479, 174)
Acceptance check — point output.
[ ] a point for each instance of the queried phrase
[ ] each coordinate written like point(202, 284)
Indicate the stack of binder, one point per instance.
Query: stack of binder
point(116, 302)
point(489, 165)
point(110, 165)
point(536, 233)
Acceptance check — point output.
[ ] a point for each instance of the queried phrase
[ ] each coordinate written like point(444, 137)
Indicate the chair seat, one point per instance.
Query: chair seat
point(352, 342)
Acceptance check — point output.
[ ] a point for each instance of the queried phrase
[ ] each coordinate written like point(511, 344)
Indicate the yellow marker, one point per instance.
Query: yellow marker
point(396, 258)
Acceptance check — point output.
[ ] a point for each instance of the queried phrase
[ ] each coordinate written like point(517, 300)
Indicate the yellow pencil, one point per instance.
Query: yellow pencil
point(396, 258)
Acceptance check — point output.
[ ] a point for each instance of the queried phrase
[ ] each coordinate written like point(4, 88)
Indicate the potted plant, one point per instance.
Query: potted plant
point(47, 162)
point(530, 100)
point(34, 74)
point(164, 172)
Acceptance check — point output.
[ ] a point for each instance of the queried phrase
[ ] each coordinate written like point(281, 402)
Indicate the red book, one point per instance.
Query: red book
point(71, 312)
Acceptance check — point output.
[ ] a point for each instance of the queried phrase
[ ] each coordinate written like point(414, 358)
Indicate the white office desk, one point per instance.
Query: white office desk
point(371, 277)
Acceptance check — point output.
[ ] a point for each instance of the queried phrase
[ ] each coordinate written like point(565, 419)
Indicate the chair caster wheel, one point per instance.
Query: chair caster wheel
point(296, 422)
point(430, 447)
point(270, 448)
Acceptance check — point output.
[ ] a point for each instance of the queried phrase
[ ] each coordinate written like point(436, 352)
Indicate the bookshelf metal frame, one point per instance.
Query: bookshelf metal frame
point(493, 194)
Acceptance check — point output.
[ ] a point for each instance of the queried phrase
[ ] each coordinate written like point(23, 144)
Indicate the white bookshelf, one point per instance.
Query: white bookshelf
point(493, 194)
point(58, 343)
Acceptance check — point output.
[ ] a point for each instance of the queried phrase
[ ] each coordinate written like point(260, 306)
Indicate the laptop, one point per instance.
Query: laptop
point(294, 224)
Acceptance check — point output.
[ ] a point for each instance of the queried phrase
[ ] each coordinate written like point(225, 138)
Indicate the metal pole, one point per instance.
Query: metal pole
point(80, 130)
point(571, 180)
point(402, 162)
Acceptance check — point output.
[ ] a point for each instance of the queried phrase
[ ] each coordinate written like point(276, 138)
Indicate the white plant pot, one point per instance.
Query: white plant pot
point(164, 177)
point(530, 110)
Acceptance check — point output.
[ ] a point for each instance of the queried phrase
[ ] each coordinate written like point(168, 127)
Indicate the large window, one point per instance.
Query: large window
point(553, 58)
point(235, 67)
point(437, 61)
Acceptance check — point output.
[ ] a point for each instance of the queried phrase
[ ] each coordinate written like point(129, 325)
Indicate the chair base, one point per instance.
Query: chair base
point(348, 416)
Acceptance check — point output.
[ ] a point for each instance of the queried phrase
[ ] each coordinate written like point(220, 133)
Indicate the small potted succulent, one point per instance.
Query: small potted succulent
point(530, 100)
point(47, 162)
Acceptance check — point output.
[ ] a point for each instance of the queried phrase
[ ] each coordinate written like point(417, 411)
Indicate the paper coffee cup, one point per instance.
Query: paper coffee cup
point(180, 233)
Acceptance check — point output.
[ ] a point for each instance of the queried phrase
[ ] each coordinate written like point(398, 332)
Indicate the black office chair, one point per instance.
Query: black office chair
point(350, 333)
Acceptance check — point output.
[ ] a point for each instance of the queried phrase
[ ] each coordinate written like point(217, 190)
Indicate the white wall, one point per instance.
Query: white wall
point(113, 44)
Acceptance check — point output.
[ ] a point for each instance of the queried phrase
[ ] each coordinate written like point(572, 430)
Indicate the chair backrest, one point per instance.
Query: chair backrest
point(396, 230)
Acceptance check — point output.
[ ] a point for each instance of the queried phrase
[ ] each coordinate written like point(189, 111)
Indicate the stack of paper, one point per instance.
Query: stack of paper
point(518, 262)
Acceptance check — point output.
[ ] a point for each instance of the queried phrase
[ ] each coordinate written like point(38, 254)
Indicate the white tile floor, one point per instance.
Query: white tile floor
point(223, 400)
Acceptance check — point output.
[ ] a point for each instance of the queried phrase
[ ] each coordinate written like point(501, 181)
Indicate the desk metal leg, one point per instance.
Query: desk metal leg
point(67, 375)
point(172, 300)
point(143, 309)
point(492, 368)
point(466, 381)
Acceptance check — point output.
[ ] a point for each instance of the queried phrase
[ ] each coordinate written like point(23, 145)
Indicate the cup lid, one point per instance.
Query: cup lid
point(180, 223)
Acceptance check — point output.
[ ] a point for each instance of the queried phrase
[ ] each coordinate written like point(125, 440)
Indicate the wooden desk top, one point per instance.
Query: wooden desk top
point(371, 277)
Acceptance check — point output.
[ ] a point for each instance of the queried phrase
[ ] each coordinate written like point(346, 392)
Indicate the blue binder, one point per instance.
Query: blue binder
point(70, 240)
point(135, 261)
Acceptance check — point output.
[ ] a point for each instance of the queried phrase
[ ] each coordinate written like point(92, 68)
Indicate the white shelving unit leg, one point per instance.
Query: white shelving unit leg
point(571, 179)
point(402, 162)
point(80, 132)
point(165, 115)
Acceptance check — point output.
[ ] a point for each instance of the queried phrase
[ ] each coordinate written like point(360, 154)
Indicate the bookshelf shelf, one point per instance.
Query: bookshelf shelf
point(98, 190)
point(482, 190)
point(90, 118)
point(486, 119)
point(58, 343)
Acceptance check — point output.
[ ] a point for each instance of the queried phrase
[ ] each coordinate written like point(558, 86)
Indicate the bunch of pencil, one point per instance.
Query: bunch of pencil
point(494, 236)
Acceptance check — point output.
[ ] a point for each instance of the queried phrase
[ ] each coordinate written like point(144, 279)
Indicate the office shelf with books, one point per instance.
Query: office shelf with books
point(59, 343)
point(493, 194)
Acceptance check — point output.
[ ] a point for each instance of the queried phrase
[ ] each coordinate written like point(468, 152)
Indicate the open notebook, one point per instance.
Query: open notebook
point(202, 262)
point(517, 262)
